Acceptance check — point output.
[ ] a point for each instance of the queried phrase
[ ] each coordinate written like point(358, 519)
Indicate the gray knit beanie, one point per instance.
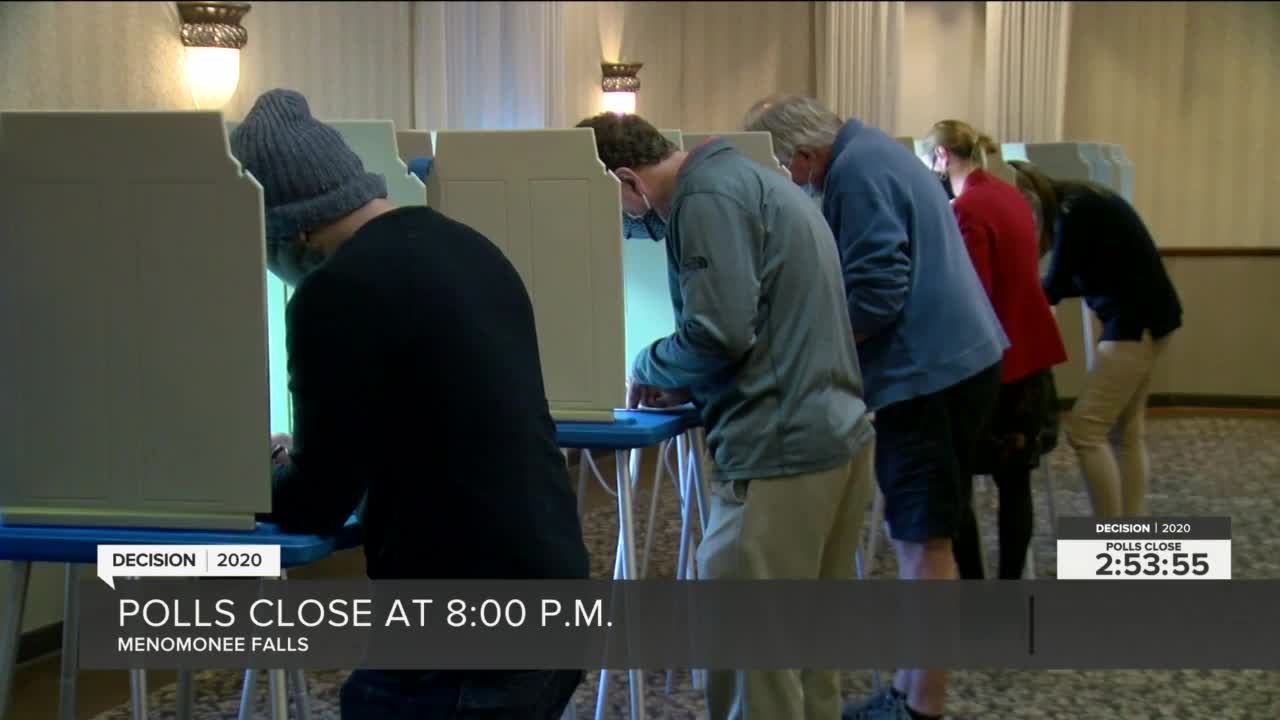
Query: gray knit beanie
point(309, 177)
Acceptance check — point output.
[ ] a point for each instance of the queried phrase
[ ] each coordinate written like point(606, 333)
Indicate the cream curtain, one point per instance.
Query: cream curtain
point(492, 65)
point(480, 65)
point(1026, 69)
point(859, 59)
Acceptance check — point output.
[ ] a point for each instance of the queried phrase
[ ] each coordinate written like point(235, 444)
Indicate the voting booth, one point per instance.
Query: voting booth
point(915, 146)
point(546, 200)
point(133, 321)
point(754, 145)
point(648, 314)
point(999, 167)
point(1121, 170)
point(415, 144)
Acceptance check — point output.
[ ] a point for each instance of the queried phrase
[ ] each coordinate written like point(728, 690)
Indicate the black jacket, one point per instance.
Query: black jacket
point(1103, 252)
point(414, 372)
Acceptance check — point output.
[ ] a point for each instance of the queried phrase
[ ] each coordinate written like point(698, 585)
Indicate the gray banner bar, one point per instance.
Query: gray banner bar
point(1093, 528)
point(207, 624)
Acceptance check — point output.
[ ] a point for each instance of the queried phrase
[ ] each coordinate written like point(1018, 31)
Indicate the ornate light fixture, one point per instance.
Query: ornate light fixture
point(620, 84)
point(213, 37)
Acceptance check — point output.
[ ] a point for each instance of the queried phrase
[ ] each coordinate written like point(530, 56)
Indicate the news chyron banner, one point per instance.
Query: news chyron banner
point(171, 620)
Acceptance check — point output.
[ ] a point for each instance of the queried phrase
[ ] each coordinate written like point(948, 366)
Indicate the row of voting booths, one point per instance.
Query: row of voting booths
point(150, 362)
point(141, 316)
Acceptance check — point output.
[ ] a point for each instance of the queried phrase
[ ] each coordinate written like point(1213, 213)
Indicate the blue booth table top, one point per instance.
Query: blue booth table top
point(35, 543)
point(629, 430)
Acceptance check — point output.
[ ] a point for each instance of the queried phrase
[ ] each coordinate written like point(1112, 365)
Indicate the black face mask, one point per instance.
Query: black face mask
point(946, 185)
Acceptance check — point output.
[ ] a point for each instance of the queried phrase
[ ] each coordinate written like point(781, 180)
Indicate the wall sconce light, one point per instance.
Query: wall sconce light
point(620, 84)
point(212, 36)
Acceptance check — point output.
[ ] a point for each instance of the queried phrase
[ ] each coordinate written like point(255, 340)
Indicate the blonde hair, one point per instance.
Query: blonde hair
point(961, 140)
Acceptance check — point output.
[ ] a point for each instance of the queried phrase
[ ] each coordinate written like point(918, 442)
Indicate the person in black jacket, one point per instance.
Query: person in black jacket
point(1103, 252)
point(416, 385)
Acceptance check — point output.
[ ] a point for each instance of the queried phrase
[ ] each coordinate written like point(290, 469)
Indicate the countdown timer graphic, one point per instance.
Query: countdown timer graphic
point(1144, 549)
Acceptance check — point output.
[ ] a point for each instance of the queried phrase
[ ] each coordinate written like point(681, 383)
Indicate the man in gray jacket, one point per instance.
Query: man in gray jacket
point(764, 348)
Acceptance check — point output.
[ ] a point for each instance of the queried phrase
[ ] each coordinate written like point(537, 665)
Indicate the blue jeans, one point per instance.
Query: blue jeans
point(431, 695)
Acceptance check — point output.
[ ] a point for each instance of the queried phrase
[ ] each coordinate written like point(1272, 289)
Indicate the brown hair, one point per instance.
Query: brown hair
point(1050, 197)
point(628, 141)
point(962, 141)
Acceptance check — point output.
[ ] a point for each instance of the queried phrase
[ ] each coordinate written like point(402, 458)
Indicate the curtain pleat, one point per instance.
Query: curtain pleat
point(1026, 70)
point(859, 59)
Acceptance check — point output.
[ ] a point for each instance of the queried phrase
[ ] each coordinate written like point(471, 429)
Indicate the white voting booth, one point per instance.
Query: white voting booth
point(133, 320)
point(754, 145)
point(546, 200)
point(415, 144)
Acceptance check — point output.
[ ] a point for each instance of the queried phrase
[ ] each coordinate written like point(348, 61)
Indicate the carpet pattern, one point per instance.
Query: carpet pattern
point(1200, 466)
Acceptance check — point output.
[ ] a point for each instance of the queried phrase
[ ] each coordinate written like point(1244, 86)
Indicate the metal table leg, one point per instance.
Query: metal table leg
point(186, 695)
point(626, 491)
point(278, 694)
point(301, 699)
point(70, 662)
point(248, 693)
point(137, 694)
point(15, 604)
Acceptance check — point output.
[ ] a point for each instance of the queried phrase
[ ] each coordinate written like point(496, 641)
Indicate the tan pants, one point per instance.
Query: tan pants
point(1115, 395)
point(803, 527)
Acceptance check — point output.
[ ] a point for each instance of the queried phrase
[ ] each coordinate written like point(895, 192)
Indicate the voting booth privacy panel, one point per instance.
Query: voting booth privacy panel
point(415, 144)
point(754, 145)
point(133, 321)
point(546, 200)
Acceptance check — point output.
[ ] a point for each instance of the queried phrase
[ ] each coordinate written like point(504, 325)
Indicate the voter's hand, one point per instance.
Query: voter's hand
point(637, 393)
point(667, 398)
point(281, 446)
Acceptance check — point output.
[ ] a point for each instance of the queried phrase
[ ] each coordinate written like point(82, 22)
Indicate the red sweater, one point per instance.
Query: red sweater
point(1000, 234)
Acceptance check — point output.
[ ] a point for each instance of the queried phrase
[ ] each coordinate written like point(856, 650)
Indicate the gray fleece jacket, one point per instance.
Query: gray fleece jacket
point(762, 338)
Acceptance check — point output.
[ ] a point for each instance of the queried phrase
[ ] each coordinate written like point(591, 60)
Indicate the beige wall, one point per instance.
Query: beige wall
point(705, 63)
point(1192, 92)
point(350, 60)
point(942, 77)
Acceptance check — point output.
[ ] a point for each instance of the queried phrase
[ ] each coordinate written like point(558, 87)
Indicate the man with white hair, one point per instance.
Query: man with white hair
point(928, 339)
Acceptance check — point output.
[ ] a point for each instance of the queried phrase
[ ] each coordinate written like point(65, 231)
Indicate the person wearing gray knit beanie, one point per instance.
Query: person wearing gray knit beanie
point(311, 181)
point(418, 405)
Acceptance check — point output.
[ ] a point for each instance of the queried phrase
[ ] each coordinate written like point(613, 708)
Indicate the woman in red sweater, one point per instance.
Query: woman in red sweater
point(1000, 233)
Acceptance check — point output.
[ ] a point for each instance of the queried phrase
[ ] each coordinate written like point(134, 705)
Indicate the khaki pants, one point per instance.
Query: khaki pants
point(1115, 395)
point(803, 527)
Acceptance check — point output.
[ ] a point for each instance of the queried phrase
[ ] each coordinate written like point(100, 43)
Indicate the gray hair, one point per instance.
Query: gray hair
point(793, 121)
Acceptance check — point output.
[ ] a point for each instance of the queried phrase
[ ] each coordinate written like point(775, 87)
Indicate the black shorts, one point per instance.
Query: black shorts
point(924, 448)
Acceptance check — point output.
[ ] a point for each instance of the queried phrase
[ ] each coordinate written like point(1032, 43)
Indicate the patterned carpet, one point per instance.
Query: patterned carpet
point(1200, 466)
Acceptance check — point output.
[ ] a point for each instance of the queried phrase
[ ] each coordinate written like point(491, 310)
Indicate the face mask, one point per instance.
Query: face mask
point(651, 220)
point(812, 190)
point(290, 259)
